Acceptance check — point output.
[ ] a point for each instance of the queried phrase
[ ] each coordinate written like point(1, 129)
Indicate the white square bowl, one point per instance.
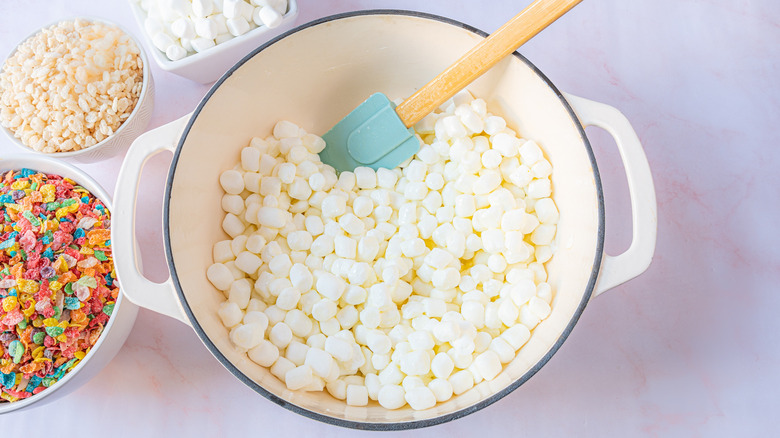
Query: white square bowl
point(208, 66)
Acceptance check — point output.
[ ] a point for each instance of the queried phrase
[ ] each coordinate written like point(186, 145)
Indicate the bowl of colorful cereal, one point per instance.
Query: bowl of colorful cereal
point(389, 298)
point(62, 316)
point(80, 88)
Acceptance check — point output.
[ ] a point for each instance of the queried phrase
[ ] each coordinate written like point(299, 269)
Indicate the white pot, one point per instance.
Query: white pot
point(314, 76)
point(122, 318)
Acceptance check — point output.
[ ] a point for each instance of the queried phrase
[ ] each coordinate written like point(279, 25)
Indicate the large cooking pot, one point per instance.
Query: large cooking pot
point(313, 76)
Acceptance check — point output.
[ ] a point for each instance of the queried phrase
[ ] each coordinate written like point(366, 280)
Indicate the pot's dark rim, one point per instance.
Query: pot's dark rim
point(369, 425)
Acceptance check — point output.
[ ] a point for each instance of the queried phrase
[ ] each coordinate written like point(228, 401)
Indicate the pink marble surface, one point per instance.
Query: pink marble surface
point(687, 349)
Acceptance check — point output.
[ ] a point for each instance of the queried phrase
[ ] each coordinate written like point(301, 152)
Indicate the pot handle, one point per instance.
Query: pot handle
point(159, 297)
point(616, 270)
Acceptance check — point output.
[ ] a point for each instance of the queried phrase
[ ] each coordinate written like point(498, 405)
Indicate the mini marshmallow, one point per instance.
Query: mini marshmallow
point(330, 327)
point(488, 364)
point(366, 177)
point(298, 377)
point(240, 292)
point(503, 349)
point(319, 360)
point(378, 342)
point(528, 318)
point(391, 396)
point(340, 349)
point(162, 41)
point(232, 181)
point(264, 354)
point(271, 217)
point(279, 265)
point(386, 178)
point(330, 286)
point(248, 262)
point(357, 395)
point(219, 275)
point(299, 323)
point(296, 352)
point(461, 382)
point(543, 234)
point(230, 314)
point(338, 389)
point(391, 375)
point(530, 153)
point(416, 363)
point(441, 389)
point(420, 398)
point(421, 340)
point(442, 365)
point(205, 28)
point(324, 310)
point(333, 206)
point(280, 335)
point(362, 206)
point(345, 247)
point(267, 16)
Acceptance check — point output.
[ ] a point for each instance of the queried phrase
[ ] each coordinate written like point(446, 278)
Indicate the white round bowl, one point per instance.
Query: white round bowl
point(122, 318)
point(132, 127)
point(314, 76)
point(207, 66)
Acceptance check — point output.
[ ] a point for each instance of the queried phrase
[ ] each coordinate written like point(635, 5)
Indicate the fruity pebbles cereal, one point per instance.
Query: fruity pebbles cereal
point(57, 287)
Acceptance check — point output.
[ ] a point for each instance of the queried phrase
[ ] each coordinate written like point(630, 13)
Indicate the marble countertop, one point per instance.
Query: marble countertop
point(689, 348)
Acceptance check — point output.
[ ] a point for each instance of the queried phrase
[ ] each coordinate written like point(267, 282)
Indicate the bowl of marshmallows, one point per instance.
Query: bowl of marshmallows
point(201, 39)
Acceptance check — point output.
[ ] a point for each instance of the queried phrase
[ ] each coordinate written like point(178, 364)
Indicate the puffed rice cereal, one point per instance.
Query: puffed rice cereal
point(70, 86)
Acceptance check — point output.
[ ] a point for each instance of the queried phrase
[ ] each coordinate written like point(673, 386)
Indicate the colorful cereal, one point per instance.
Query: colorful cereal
point(57, 288)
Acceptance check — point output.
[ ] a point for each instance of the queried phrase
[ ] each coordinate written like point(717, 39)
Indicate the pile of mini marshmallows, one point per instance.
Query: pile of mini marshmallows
point(182, 27)
point(400, 286)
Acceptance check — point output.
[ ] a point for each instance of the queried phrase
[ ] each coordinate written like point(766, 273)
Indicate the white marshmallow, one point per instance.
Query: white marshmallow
point(267, 16)
point(442, 365)
point(298, 377)
point(281, 367)
point(420, 398)
point(391, 396)
point(280, 335)
point(488, 364)
point(441, 388)
point(416, 363)
point(230, 314)
point(219, 275)
point(299, 322)
point(264, 354)
point(461, 382)
point(357, 395)
point(320, 361)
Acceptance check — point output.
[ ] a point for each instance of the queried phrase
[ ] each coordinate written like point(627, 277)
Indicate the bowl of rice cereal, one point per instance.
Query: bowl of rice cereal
point(80, 88)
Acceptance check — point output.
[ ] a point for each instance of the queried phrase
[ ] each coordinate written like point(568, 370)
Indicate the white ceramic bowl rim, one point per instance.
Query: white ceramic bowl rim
point(145, 72)
point(84, 180)
point(370, 425)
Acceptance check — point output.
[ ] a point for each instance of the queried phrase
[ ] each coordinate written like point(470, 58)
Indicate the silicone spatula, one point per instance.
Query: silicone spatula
point(378, 134)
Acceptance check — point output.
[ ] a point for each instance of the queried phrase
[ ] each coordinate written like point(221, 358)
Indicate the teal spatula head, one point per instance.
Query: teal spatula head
point(372, 135)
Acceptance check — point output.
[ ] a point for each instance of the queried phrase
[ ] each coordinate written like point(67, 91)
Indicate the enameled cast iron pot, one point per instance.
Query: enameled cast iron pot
point(315, 75)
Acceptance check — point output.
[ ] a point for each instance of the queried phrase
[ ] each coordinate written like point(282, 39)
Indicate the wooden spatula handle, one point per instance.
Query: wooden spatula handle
point(482, 57)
